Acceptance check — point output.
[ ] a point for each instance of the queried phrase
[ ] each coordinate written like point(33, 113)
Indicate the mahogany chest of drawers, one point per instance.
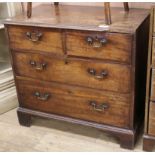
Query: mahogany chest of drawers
point(69, 66)
point(149, 137)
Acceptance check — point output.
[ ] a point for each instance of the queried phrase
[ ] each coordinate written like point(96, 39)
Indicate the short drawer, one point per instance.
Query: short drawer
point(108, 46)
point(151, 129)
point(75, 102)
point(81, 72)
point(153, 86)
point(35, 38)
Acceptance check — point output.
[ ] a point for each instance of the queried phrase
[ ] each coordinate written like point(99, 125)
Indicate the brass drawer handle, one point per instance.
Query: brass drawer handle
point(96, 42)
point(100, 76)
point(43, 97)
point(38, 66)
point(34, 36)
point(100, 107)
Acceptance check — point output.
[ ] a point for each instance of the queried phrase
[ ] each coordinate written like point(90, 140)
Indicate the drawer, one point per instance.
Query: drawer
point(153, 53)
point(151, 129)
point(75, 102)
point(153, 20)
point(108, 46)
point(35, 38)
point(153, 86)
point(81, 72)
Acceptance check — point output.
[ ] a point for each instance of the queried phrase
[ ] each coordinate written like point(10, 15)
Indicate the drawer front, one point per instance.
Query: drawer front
point(153, 53)
point(75, 102)
point(153, 85)
point(152, 119)
point(153, 24)
point(87, 73)
point(35, 38)
point(109, 46)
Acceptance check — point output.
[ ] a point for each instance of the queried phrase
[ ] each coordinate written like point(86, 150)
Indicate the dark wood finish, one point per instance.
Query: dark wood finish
point(141, 56)
point(74, 71)
point(85, 18)
point(117, 47)
point(148, 143)
point(126, 6)
point(151, 128)
point(29, 9)
point(148, 73)
point(56, 3)
point(149, 133)
point(75, 102)
point(107, 13)
point(35, 38)
point(106, 8)
point(73, 78)
point(127, 141)
point(24, 119)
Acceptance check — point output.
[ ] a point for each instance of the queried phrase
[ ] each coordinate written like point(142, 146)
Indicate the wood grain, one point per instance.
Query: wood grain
point(50, 40)
point(148, 143)
point(153, 52)
point(75, 102)
point(117, 76)
point(72, 17)
point(149, 64)
point(148, 138)
point(151, 129)
point(107, 13)
point(153, 85)
point(117, 47)
point(74, 71)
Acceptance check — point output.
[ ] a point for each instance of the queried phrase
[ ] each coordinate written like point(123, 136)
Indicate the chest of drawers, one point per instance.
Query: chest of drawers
point(77, 70)
point(149, 136)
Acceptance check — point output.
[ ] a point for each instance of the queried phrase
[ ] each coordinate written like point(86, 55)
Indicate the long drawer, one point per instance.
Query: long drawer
point(108, 46)
point(35, 38)
point(81, 72)
point(87, 104)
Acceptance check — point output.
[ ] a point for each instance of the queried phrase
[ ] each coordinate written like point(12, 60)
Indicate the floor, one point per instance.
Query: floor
point(52, 135)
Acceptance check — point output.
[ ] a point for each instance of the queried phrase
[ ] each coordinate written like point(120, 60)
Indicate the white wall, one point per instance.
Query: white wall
point(114, 4)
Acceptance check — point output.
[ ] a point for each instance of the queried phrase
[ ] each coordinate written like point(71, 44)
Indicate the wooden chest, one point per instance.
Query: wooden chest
point(149, 137)
point(69, 66)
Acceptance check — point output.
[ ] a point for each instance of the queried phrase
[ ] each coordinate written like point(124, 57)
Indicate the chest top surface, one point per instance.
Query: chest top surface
point(81, 18)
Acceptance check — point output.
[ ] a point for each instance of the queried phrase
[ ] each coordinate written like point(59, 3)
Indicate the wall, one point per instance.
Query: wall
point(146, 5)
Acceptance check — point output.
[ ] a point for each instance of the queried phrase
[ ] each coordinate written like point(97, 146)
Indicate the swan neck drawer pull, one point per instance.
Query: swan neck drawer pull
point(96, 42)
point(34, 36)
point(100, 76)
point(98, 107)
point(43, 97)
point(38, 66)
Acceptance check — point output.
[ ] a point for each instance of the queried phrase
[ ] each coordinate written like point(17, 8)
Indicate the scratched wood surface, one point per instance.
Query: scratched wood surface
point(82, 17)
point(75, 72)
point(75, 102)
